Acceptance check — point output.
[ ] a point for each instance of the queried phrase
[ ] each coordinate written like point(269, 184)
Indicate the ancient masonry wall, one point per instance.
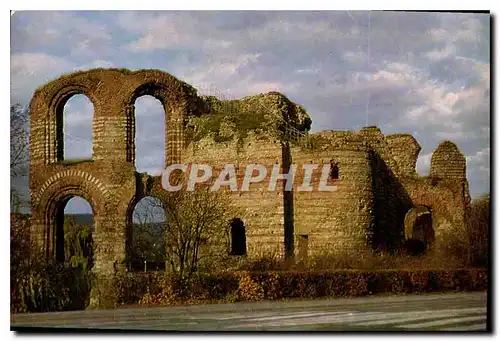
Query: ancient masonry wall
point(331, 221)
point(108, 181)
point(336, 222)
point(378, 184)
point(262, 211)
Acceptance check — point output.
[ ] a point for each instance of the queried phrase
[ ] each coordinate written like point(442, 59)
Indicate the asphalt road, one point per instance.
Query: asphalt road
point(429, 312)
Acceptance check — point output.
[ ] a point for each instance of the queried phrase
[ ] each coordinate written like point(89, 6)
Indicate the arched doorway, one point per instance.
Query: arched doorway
point(238, 237)
point(146, 235)
point(419, 231)
point(74, 225)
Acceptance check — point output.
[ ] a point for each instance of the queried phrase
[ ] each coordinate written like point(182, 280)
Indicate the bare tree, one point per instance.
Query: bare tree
point(196, 231)
point(18, 151)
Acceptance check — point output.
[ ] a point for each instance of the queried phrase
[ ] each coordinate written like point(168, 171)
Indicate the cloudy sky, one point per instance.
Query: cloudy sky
point(427, 74)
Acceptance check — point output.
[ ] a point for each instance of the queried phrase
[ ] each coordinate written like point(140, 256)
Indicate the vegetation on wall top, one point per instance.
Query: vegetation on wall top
point(270, 113)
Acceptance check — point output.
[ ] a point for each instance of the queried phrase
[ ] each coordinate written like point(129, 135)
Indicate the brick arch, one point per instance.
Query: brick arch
point(440, 207)
point(54, 198)
point(69, 185)
point(132, 203)
point(49, 112)
point(72, 176)
point(435, 203)
point(59, 99)
point(57, 110)
point(129, 210)
point(61, 89)
point(177, 99)
point(411, 218)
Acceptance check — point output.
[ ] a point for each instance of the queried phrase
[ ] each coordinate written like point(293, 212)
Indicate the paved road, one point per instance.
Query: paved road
point(431, 312)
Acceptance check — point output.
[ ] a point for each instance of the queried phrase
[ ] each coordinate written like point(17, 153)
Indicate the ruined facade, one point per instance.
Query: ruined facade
point(379, 203)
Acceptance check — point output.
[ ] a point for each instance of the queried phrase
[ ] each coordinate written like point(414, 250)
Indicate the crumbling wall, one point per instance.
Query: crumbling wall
point(335, 222)
point(404, 150)
point(377, 186)
point(260, 210)
point(447, 162)
point(108, 180)
point(263, 114)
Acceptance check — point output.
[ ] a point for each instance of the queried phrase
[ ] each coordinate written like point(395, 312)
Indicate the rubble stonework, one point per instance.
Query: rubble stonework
point(377, 185)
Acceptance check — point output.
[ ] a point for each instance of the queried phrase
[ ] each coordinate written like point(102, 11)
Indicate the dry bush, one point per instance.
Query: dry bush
point(264, 260)
point(478, 229)
point(248, 289)
point(37, 285)
point(196, 232)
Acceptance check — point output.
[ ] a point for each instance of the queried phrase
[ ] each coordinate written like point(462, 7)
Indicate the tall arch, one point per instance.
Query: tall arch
point(55, 206)
point(178, 100)
point(149, 116)
point(52, 118)
point(145, 234)
point(74, 128)
point(74, 225)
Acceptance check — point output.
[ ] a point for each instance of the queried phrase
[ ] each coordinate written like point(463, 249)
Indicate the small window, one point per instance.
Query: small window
point(334, 170)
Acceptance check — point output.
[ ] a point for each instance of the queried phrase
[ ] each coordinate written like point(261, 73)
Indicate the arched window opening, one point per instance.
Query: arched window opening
point(149, 135)
point(73, 233)
point(238, 238)
point(334, 170)
point(77, 117)
point(147, 245)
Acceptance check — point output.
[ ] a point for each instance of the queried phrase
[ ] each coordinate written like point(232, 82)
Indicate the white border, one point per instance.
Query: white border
point(199, 5)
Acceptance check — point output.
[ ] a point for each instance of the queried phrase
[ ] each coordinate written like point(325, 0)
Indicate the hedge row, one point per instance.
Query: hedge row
point(154, 289)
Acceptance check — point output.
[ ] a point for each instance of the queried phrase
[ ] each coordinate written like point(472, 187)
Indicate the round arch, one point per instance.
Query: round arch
point(441, 203)
point(53, 203)
point(59, 99)
point(419, 225)
point(170, 97)
point(145, 236)
point(58, 114)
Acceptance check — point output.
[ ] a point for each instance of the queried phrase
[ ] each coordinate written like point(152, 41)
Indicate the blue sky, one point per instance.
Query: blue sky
point(427, 74)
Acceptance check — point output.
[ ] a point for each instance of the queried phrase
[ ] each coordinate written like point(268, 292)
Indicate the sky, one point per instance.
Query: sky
point(427, 74)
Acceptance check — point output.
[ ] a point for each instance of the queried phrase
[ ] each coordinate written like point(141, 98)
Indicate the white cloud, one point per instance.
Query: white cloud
point(66, 31)
point(439, 54)
point(307, 71)
point(481, 156)
point(428, 73)
point(229, 73)
point(30, 70)
point(27, 64)
point(424, 164)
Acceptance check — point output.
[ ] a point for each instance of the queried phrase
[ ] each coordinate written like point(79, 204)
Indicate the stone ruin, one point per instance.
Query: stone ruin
point(381, 201)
